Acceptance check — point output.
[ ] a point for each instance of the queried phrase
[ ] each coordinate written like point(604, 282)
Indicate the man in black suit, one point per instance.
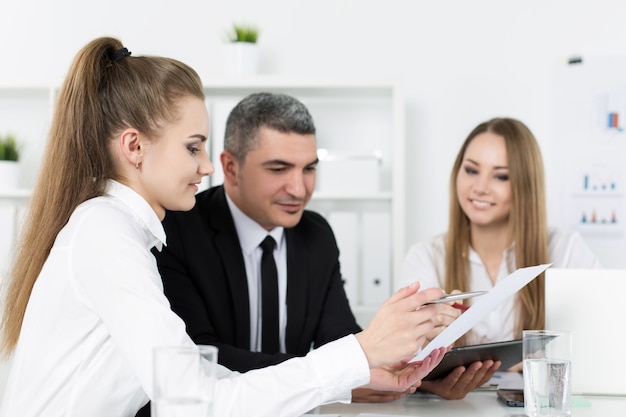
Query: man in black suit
point(211, 266)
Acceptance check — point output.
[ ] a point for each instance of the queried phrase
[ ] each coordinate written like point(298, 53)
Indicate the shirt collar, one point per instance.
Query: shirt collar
point(475, 258)
point(141, 211)
point(250, 233)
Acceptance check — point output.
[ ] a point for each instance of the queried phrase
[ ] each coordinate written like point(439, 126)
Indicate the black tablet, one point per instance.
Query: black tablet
point(509, 353)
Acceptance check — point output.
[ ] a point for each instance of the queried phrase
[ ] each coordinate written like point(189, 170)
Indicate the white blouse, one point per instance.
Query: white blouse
point(98, 309)
point(425, 262)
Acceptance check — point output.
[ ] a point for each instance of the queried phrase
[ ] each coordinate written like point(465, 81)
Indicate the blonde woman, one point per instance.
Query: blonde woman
point(84, 305)
point(498, 223)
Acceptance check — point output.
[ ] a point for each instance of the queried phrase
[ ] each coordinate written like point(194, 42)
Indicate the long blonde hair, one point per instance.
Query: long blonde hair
point(106, 90)
point(527, 220)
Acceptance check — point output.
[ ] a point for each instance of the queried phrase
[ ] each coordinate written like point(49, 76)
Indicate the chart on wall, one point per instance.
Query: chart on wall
point(588, 168)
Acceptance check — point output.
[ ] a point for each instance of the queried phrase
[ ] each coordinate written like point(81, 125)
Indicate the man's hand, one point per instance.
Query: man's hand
point(366, 395)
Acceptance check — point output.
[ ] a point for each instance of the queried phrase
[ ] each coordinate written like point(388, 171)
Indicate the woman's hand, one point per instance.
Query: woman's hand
point(461, 380)
point(404, 377)
point(400, 326)
point(516, 368)
point(446, 315)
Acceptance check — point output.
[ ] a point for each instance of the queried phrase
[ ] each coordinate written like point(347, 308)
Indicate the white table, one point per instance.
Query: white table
point(478, 404)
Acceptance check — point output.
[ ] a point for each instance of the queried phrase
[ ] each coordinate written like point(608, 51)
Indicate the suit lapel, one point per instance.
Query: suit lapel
point(228, 246)
point(297, 281)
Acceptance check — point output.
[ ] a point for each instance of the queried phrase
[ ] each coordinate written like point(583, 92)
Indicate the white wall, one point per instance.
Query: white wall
point(461, 62)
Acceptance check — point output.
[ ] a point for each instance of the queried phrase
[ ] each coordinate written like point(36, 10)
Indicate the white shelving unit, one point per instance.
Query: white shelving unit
point(25, 111)
point(18, 196)
point(352, 116)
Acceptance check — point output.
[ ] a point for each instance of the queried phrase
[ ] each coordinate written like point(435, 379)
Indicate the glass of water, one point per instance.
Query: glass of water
point(184, 381)
point(547, 357)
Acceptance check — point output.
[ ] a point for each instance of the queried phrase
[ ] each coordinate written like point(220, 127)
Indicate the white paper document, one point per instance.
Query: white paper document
point(504, 289)
point(504, 380)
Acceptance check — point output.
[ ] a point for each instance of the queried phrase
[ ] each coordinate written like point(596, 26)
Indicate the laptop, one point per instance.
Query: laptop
point(591, 303)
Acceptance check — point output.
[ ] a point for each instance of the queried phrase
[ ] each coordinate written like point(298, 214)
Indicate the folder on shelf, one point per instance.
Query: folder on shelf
point(8, 224)
point(376, 257)
point(345, 226)
point(219, 109)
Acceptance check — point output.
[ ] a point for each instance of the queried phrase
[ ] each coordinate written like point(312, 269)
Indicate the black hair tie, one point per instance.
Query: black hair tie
point(119, 54)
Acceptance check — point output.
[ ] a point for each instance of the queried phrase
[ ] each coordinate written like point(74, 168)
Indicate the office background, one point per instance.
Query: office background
point(459, 62)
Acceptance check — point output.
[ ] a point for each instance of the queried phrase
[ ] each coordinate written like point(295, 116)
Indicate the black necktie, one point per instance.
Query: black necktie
point(269, 302)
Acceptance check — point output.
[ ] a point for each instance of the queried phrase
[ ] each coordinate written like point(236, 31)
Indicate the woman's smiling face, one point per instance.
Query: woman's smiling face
point(483, 186)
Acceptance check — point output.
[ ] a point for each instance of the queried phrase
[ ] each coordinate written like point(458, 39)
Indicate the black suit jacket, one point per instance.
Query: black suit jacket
point(205, 280)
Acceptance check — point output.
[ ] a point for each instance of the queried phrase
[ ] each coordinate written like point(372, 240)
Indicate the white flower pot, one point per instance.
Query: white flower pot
point(9, 174)
point(241, 58)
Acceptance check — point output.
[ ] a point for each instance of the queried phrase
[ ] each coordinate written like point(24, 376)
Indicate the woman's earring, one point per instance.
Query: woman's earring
point(137, 164)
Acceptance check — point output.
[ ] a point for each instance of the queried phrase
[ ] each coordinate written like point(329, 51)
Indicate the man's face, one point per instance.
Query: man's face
point(275, 182)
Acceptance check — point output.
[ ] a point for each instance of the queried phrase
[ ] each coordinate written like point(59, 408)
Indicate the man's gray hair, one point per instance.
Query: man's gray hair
point(279, 112)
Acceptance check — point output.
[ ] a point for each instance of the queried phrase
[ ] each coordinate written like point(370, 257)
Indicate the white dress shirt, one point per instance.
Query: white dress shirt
point(425, 262)
point(251, 234)
point(98, 309)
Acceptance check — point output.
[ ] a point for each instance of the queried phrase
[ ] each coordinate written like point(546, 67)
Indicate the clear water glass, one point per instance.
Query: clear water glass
point(184, 381)
point(547, 373)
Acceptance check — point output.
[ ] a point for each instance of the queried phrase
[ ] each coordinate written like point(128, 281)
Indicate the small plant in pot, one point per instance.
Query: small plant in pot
point(244, 33)
point(9, 157)
point(9, 148)
point(241, 50)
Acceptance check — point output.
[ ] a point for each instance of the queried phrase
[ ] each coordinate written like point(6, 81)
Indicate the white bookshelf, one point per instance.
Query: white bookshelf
point(19, 196)
point(352, 115)
point(25, 111)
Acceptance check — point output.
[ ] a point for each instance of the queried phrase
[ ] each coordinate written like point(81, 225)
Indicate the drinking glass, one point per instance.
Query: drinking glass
point(547, 357)
point(184, 381)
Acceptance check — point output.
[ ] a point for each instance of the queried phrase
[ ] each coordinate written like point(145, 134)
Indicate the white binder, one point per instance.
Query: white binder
point(346, 228)
point(376, 258)
point(218, 114)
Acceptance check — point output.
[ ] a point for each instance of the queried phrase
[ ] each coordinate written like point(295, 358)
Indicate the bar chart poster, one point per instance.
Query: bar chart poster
point(598, 197)
point(611, 115)
point(587, 167)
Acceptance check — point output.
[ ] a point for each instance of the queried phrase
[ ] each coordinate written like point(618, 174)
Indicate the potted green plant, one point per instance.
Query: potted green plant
point(244, 33)
point(10, 153)
point(241, 50)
